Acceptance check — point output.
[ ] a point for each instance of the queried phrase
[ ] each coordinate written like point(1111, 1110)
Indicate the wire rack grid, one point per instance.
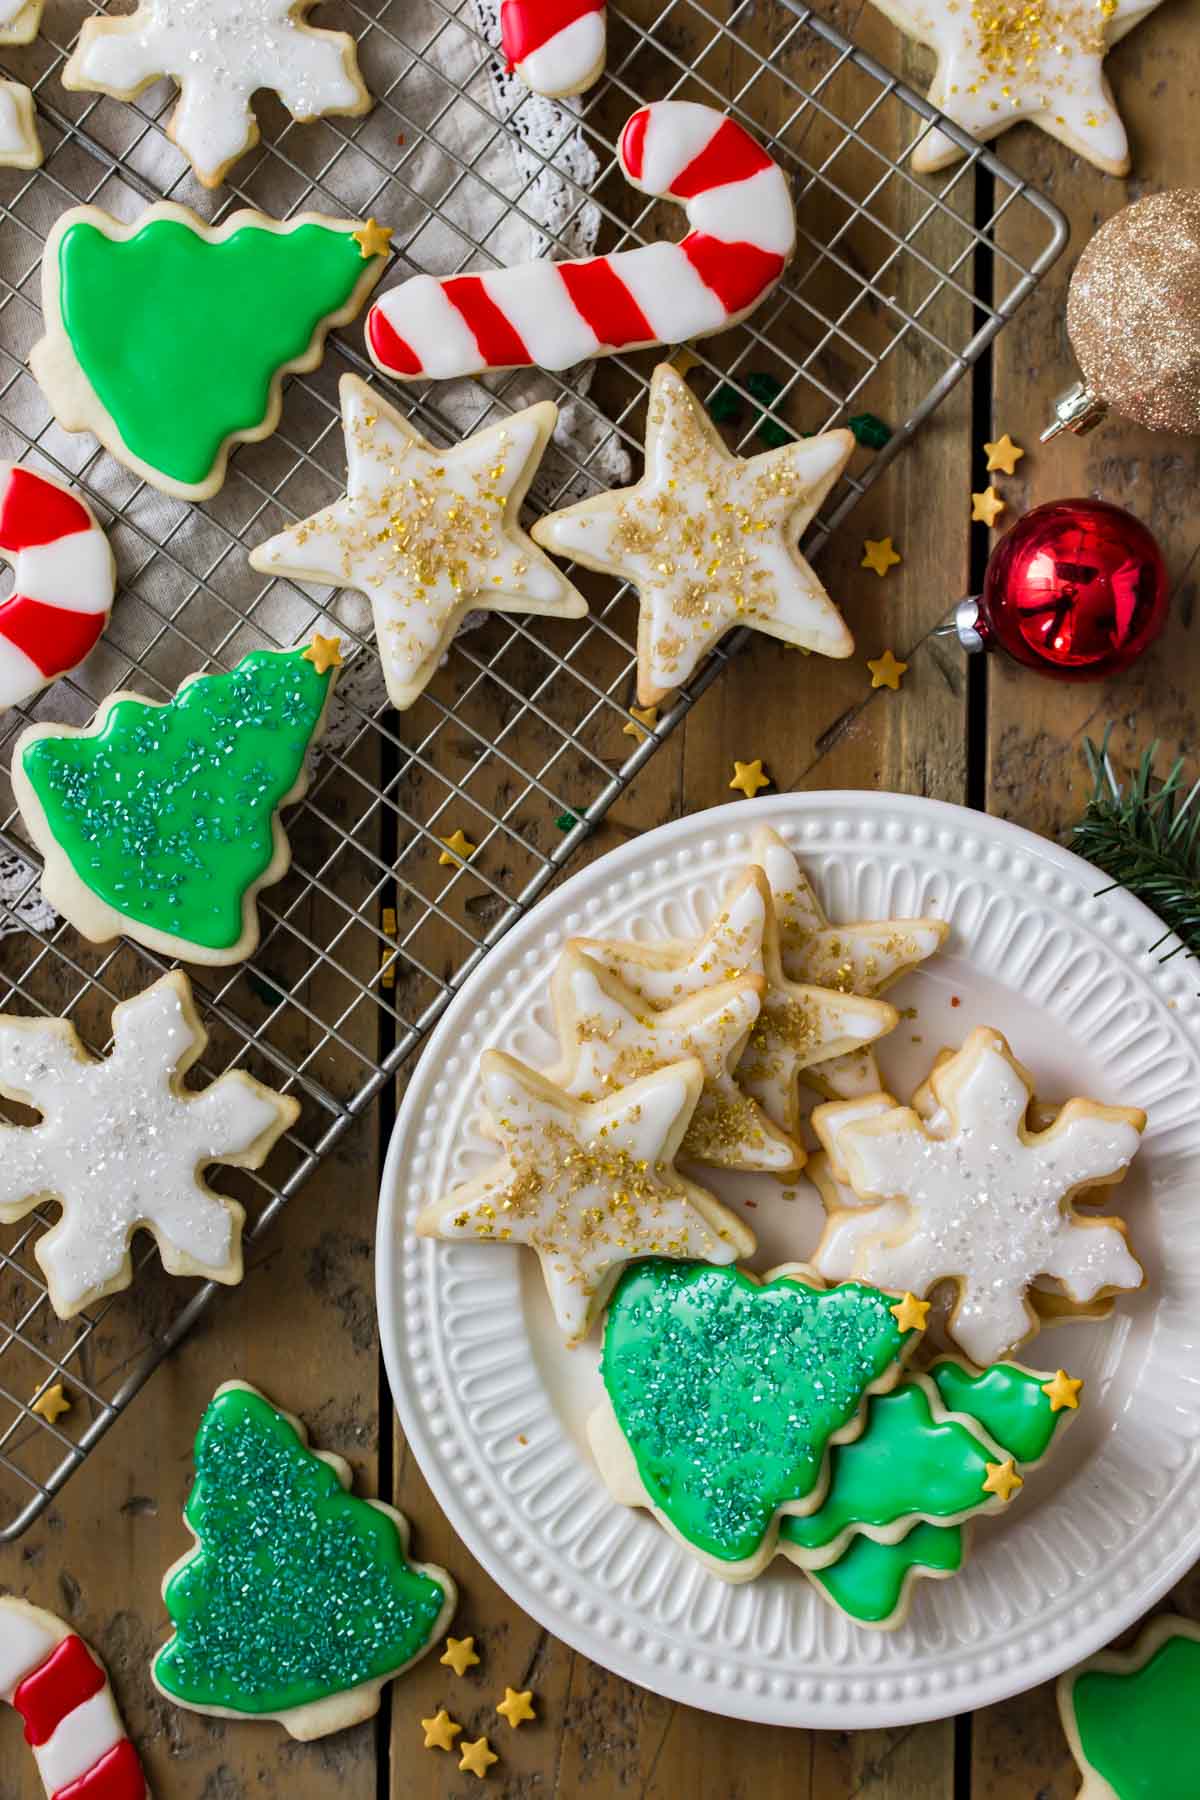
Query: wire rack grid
point(519, 740)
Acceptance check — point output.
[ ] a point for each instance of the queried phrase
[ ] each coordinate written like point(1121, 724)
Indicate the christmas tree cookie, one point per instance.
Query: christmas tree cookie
point(725, 1397)
point(161, 819)
point(1131, 1719)
point(169, 338)
point(297, 1601)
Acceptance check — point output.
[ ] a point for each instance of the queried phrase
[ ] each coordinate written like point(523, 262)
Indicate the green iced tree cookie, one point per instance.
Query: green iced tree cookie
point(1131, 1716)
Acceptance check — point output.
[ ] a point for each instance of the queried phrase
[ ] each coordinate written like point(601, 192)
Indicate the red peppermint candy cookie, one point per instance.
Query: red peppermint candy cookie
point(64, 582)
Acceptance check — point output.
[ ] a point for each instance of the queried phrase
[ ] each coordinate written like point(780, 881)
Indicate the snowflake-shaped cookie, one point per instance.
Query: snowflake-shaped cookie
point(220, 52)
point(122, 1142)
point(990, 1200)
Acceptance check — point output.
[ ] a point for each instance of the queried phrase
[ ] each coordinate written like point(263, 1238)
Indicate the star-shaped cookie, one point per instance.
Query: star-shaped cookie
point(1000, 61)
point(708, 539)
point(588, 1187)
point(427, 535)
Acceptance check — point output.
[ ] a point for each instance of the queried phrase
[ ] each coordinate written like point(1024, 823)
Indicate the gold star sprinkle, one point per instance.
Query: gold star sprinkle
point(748, 777)
point(372, 239)
point(460, 1654)
point(910, 1313)
point(1002, 1479)
point(986, 507)
point(516, 1707)
point(1003, 455)
point(440, 1731)
point(324, 653)
point(51, 1404)
point(886, 671)
point(880, 554)
point(458, 845)
point(1063, 1391)
point(646, 716)
point(477, 1758)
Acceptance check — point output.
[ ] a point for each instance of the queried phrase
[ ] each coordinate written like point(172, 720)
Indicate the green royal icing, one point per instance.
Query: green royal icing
point(728, 1392)
point(166, 813)
point(1008, 1401)
point(295, 1590)
point(180, 337)
point(1141, 1731)
point(867, 1580)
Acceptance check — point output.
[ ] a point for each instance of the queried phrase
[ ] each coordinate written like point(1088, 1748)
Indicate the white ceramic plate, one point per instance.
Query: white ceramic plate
point(494, 1406)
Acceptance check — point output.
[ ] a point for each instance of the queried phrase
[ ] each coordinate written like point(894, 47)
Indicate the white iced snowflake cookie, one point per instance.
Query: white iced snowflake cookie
point(589, 1187)
point(1001, 61)
point(20, 147)
point(122, 1143)
point(990, 1201)
point(427, 535)
point(220, 52)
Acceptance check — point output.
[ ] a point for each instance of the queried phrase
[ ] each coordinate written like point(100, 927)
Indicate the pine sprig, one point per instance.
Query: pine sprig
point(1146, 835)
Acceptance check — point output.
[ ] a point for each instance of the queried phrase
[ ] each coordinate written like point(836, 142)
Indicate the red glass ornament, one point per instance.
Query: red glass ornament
point(1076, 590)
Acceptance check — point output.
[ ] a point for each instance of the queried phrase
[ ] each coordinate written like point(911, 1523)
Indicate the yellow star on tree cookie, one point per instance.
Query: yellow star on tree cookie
point(1002, 1479)
point(910, 1313)
point(1063, 1390)
point(886, 670)
point(52, 1404)
point(477, 1758)
point(1003, 455)
point(324, 653)
point(458, 846)
point(440, 1731)
point(372, 239)
point(748, 777)
point(516, 1707)
point(986, 507)
point(880, 554)
point(708, 539)
point(459, 1655)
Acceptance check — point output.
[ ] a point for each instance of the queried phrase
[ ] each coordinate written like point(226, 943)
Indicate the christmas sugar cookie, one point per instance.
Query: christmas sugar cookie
point(123, 1142)
point(160, 819)
point(20, 147)
point(428, 535)
point(64, 579)
point(1130, 1715)
point(557, 47)
point(220, 52)
point(169, 338)
point(990, 1201)
point(63, 1696)
point(725, 1396)
point(297, 1601)
point(588, 1187)
point(709, 540)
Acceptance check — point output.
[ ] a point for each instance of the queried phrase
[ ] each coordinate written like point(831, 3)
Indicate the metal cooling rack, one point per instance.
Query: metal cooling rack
point(519, 740)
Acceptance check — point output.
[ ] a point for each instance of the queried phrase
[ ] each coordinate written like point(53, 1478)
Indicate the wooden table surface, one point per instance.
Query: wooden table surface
point(303, 1327)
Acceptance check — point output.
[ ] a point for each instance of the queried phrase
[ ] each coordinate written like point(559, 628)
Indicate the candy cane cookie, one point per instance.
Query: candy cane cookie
point(71, 1720)
point(556, 46)
point(552, 314)
point(64, 579)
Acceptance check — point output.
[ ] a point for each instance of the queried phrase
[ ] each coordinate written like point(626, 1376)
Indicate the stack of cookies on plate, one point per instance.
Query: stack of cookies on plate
point(823, 1412)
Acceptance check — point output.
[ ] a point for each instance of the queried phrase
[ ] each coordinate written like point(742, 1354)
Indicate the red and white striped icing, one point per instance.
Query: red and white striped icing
point(742, 229)
point(555, 46)
point(71, 1720)
point(64, 581)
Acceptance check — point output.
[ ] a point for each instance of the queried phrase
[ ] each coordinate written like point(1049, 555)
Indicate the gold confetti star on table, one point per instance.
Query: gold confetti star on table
point(458, 846)
point(324, 653)
point(372, 239)
point(748, 777)
point(516, 1707)
point(880, 554)
point(477, 1758)
point(427, 535)
point(1063, 1391)
point(646, 716)
point(910, 1313)
point(1003, 455)
point(460, 1654)
point(986, 507)
point(52, 1404)
point(1002, 1479)
point(886, 671)
point(440, 1731)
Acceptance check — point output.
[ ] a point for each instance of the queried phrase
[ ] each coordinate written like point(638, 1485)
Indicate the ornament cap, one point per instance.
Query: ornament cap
point(967, 626)
point(1078, 409)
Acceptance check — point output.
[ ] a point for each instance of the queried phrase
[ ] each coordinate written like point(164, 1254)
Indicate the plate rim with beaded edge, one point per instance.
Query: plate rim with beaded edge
point(486, 1400)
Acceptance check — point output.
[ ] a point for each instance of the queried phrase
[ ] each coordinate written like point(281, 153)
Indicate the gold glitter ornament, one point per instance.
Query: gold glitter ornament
point(1133, 317)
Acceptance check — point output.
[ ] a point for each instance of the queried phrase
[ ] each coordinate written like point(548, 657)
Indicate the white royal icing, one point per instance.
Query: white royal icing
point(665, 973)
point(564, 63)
point(119, 1147)
point(87, 1733)
point(25, 1643)
point(986, 1207)
point(18, 136)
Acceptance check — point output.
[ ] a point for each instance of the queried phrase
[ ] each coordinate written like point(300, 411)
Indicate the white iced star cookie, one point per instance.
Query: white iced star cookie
point(1001, 61)
point(122, 1143)
point(19, 144)
point(220, 52)
point(709, 540)
point(990, 1202)
point(611, 1036)
point(427, 535)
point(588, 1187)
